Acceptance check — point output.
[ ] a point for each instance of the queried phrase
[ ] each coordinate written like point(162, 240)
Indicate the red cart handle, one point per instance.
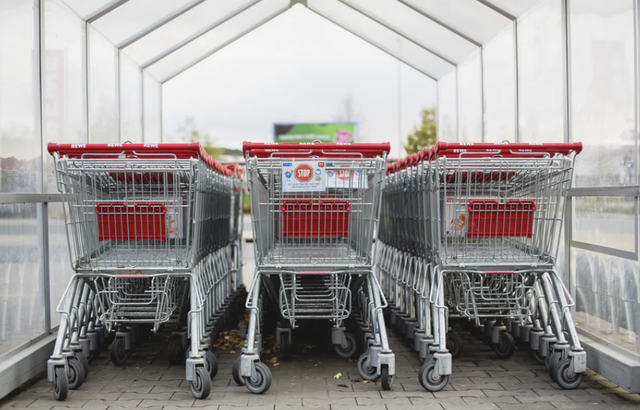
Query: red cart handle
point(510, 150)
point(163, 151)
point(321, 149)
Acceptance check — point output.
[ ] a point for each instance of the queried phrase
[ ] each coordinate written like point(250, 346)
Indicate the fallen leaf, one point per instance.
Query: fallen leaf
point(337, 376)
point(356, 380)
point(232, 351)
point(276, 364)
point(366, 381)
point(351, 360)
point(273, 360)
point(342, 385)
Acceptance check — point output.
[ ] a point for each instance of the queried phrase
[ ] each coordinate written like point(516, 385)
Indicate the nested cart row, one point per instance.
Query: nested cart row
point(469, 234)
point(154, 235)
point(314, 210)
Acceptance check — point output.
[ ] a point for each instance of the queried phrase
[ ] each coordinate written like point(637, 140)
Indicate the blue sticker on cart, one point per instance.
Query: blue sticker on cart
point(304, 176)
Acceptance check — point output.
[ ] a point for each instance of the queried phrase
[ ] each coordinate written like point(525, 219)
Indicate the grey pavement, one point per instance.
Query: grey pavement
point(479, 381)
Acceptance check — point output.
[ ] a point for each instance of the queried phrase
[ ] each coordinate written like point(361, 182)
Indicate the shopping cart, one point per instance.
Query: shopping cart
point(492, 226)
point(153, 241)
point(314, 210)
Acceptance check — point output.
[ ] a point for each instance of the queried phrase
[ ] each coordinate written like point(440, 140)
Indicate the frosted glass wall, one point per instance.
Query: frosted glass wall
point(447, 108)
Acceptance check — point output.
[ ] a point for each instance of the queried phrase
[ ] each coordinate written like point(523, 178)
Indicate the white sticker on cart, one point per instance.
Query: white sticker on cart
point(454, 222)
point(346, 176)
point(304, 176)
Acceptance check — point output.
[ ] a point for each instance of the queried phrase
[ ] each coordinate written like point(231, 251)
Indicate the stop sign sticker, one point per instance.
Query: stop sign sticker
point(303, 176)
point(303, 173)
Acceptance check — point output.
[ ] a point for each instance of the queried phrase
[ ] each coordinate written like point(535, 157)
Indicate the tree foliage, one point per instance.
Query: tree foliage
point(189, 132)
point(425, 135)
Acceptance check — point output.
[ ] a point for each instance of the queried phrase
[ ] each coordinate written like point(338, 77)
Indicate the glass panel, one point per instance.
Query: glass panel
point(103, 93)
point(134, 16)
point(130, 100)
point(540, 74)
point(422, 30)
point(470, 18)
point(87, 8)
point(216, 39)
point(470, 100)
point(602, 91)
point(514, 7)
point(20, 148)
point(152, 109)
point(499, 87)
point(606, 221)
point(21, 307)
point(608, 297)
point(189, 25)
point(64, 105)
point(60, 271)
point(447, 112)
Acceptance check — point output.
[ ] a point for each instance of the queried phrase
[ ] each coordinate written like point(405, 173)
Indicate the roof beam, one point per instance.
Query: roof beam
point(105, 10)
point(198, 34)
point(223, 45)
point(375, 45)
point(497, 9)
point(153, 27)
point(441, 23)
point(368, 15)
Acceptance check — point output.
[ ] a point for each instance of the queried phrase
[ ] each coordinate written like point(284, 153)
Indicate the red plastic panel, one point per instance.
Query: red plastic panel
point(307, 219)
point(489, 219)
point(118, 221)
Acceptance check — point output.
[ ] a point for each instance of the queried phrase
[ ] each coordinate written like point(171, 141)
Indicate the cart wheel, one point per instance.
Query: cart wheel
point(349, 350)
point(201, 384)
point(505, 347)
point(536, 354)
point(386, 379)
point(175, 353)
point(75, 376)
point(118, 353)
point(552, 364)
point(285, 347)
point(367, 372)
point(60, 384)
point(429, 379)
point(211, 362)
point(235, 372)
point(565, 377)
point(85, 363)
point(261, 382)
point(454, 344)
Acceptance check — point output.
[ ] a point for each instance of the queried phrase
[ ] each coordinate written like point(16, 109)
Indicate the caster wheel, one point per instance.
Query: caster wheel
point(83, 360)
point(262, 380)
point(552, 363)
point(211, 362)
point(565, 377)
point(76, 374)
point(536, 355)
point(175, 353)
point(285, 347)
point(505, 347)
point(60, 384)
point(346, 352)
point(386, 380)
point(235, 372)
point(454, 344)
point(118, 353)
point(429, 378)
point(367, 372)
point(201, 385)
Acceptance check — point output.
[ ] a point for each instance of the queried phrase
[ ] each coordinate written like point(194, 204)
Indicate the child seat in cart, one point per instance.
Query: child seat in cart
point(153, 239)
point(314, 211)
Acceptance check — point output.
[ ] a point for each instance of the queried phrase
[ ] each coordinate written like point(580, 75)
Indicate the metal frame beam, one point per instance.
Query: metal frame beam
point(197, 35)
point(498, 9)
point(153, 27)
point(375, 45)
point(441, 23)
point(105, 10)
point(223, 45)
point(406, 37)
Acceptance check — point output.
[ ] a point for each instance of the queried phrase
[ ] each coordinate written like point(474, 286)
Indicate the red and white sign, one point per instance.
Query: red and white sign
point(303, 176)
point(303, 173)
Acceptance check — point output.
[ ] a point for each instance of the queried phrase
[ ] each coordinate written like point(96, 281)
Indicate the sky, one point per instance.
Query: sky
point(298, 67)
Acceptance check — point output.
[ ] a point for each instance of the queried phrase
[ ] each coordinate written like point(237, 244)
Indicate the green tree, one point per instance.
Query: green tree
point(189, 132)
point(425, 136)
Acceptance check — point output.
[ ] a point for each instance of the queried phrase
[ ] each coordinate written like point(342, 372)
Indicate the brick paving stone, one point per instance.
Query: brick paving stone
point(482, 400)
point(372, 402)
point(432, 406)
point(347, 407)
point(484, 406)
point(530, 406)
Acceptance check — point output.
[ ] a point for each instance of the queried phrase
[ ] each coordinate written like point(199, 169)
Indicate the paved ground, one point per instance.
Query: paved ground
point(480, 381)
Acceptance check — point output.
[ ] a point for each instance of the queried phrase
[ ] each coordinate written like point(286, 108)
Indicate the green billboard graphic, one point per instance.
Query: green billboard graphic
point(325, 132)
